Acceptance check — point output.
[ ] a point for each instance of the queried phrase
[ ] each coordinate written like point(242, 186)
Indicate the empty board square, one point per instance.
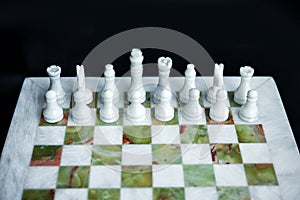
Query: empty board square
point(136, 134)
point(105, 176)
point(92, 104)
point(47, 135)
point(79, 135)
point(222, 134)
point(104, 194)
point(136, 176)
point(106, 154)
point(74, 194)
point(199, 175)
point(195, 134)
point(230, 175)
point(168, 193)
point(41, 178)
point(173, 121)
point(250, 133)
point(232, 103)
point(146, 121)
point(265, 192)
point(183, 120)
point(146, 103)
point(226, 153)
point(44, 155)
point(136, 193)
point(165, 134)
point(76, 155)
point(228, 193)
point(108, 135)
point(73, 177)
point(255, 153)
point(206, 193)
point(168, 176)
point(30, 194)
point(136, 154)
point(62, 122)
point(166, 154)
point(260, 174)
point(119, 122)
point(210, 121)
point(91, 122)
point(196, 154)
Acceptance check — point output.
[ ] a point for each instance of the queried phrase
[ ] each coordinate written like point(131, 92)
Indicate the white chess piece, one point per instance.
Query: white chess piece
point(164, 111)
point(190, 76)
point(136, 70)
point(193, 111)
point(55, 83)
point(136, 112)
point(52, 113)
point(164, 67)
point(219, 111)
point(81, 113)
point(218, 83)
point(109, 112)
point(81, 84)
point(240, 95)
point(110, 84)
point(249, 111)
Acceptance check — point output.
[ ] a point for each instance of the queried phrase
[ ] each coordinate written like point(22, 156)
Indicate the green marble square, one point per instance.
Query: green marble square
point(195, 134)
point(260, 174)
point(136, 134)
point(168, 193)
point(104, 194)
point(250, 133)
point(199, 175)
point(106, 155)
point(62, 122)
point(38, 194)
point(226, 154)
point(166, 154)
point(79, 135)
point(44, 155)
point(73, 177)
point(231, 100)
point(93, 104)
point(233, 193)
point(119, 122)
point(136, 176)
point(173, 121)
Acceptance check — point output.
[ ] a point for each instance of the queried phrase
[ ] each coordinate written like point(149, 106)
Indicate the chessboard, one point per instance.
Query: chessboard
point(153, 159)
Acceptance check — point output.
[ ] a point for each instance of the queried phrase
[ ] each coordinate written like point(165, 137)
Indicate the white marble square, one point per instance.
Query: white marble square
point(71, 193)
point(222, 134)
point(230, 175)
point(41, 178)
point(50, 135)
point(91, 123)
point(167, 176)
point(196, 154)
point(165, 134)
point(76, 155)
point(255, 153)
point(206, 193)
point(183, 121)
point(108, 135)
point(265, 192)
point(136, 193)
point(147, 121)
point(238, 120)
point(136, 154)
point(105, 176)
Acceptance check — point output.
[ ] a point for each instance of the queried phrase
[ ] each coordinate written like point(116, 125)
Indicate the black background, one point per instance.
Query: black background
point(262, 34)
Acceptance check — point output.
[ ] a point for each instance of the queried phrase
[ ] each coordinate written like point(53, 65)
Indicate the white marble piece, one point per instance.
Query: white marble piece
point(230, 175)
point(91, 122)
point(255, 153)
point(105, 177)
point(136, 193)
point(108, 135)
point(53, 135)
point(206, 193)
point(265, 192)
point(76, 155)
point(136, 154)
point(237, 120)
point(219, 111)
point(240, 95)
point(183, 121)
point(196, 154)
point(222, 134)
point(146, 121)
point(167, 176)
point(52, 113)
point(165, 134)
point(189, 83)
point(71, 193)
point(36, 177)
point(249, 111)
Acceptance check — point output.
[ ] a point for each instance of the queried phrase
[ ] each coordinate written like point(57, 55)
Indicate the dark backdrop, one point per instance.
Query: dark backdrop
point(263, 34)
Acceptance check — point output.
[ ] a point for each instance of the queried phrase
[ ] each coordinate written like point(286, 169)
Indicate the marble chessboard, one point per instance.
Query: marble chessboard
point(177, 159)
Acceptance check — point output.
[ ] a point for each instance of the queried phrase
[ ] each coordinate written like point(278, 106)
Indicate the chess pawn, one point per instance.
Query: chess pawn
point(55, 83)
point(109, 112)
point(136, 112)
point(249, 111)
point(110, 83)
point(240, 95)
point(81, 113)
point(136, 70)
point(219, 111)
point(217, 83)
point(193, 111)
point(164, 111)
point(190, 76)
point(52, 113)
point(81, 84)
point(164, 67)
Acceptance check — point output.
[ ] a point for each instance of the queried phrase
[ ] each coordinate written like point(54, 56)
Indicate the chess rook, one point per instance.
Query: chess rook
point(81, 113)
point(110, 83)
point(136, 112)
point(55, 83)
point(164, 111)
point(218, 83)
point(81, 84)
point(52, 113)
point(240, 95)
point(109, 112)
point(193, 111)
point(219, 111)
point(164, 67)
point(249, 111)
point(136, 70)
point(189, 83)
